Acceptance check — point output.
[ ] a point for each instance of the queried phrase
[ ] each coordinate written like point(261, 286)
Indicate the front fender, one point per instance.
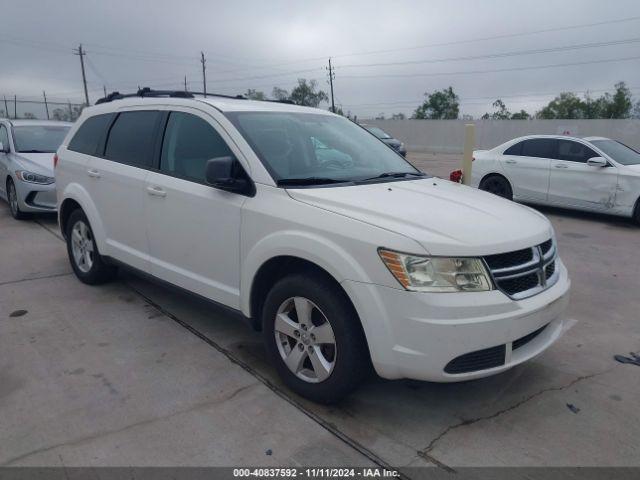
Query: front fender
point(319, 250)
point(78, 193)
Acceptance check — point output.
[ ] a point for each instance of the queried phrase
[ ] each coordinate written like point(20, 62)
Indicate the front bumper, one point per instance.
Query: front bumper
point(416, 335)
point(33, 197)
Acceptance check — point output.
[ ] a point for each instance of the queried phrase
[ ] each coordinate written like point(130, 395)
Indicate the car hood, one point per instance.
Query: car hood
point(41, 163)
point(446, 218)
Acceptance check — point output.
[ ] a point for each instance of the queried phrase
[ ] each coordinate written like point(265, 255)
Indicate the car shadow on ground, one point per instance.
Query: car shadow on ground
point(603, 218)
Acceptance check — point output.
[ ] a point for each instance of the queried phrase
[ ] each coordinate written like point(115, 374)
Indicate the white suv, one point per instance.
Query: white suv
point(340, 251)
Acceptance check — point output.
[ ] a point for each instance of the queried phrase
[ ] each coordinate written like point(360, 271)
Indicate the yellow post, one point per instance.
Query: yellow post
point(467, 157)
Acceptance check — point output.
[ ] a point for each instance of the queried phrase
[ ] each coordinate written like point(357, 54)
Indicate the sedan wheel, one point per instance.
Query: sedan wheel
point(305, 340)
point(12, 196)
point(498, 186)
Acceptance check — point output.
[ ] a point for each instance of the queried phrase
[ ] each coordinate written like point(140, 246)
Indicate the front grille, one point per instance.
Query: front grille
point(478, 360)
point(503, 260)
point(525, 272)
point(521, 342)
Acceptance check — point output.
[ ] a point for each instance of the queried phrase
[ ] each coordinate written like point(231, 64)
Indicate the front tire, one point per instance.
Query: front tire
point(314, 338)
point(12, 198)
point(498, 185)
point(636, 213)
point(87, 263)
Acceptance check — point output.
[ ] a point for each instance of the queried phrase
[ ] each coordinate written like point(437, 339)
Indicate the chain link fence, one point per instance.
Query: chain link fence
point(14, 107)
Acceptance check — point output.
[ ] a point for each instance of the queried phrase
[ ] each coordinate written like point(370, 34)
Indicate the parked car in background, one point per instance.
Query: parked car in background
point(397, 145)
point(594, 174)
point(337, 248)
point(26, 164)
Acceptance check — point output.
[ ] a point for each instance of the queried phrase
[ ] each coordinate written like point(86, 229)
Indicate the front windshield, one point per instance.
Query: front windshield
point(316, 146)
point(618, 151)
point(378, 132)
point(38, 138)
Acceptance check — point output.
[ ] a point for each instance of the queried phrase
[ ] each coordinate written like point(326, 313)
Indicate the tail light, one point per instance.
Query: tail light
point(456, 176)
point(55, 160)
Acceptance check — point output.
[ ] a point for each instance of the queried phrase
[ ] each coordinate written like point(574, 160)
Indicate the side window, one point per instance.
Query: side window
point(539, 147)
point(574, 151)
point(189, 142)
point(131, 138)
point(90, 134)
point(515, 149)
point(4, 137)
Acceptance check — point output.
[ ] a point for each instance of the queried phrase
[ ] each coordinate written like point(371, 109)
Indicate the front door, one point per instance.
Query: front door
point(193, 228)
point(575, 184)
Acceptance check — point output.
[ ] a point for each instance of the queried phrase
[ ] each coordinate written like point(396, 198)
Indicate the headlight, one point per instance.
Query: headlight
point(31, 177)
point(437, 274)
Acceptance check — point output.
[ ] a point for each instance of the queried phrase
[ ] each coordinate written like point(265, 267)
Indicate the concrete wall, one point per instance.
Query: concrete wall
point(447, 136)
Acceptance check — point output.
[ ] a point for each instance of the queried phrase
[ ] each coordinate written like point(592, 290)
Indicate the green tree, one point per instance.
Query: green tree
point(636, 110)
point(255, 94)
point(279, 93)
point(619, 104)
point(305, 93)
point(442, 104)
point(521, 115)
point(501, 112)
point(565, 106)
point(398, 116)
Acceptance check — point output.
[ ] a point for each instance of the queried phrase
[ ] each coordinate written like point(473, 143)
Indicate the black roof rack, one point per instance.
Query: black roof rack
point(148, 92)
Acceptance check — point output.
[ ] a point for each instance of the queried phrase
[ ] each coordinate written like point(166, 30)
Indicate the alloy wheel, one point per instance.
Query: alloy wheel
point(13, 199)
point(305, 339)
point(82, 246)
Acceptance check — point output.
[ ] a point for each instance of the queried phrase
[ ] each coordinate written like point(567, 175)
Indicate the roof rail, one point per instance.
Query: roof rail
point(144, 92)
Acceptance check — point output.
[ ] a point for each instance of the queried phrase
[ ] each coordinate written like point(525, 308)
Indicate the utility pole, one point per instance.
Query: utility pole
point(15, 106)
point(332, 75)
point(185, 83)
point(204, 73)
point(70, 111)
point(46, 107)
point(81, 53)
point(104, 88)
point(6, 106)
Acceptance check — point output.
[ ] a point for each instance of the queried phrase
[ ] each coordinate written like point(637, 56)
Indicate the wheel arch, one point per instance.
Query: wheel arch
point(75, 196)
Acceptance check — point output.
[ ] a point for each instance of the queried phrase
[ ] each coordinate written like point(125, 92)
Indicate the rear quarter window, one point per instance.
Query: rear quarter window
point(515, 149)
point(90, 134)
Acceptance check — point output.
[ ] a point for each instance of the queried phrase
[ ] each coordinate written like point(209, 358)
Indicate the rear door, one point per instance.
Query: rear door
point(526, 165)
point(193, 228)
point(575, 184)
point(118, 184)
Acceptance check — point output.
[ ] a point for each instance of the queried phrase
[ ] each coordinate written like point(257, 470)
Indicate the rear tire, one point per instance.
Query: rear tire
point(314, 338)
point(12, 199)
point(498, 185)
point(636, 213)
point(87, 263)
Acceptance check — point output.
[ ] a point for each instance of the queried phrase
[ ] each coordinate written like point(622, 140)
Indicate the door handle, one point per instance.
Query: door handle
point(156, 191)
point(510, 162)
point(561, 165)
point(93, 173)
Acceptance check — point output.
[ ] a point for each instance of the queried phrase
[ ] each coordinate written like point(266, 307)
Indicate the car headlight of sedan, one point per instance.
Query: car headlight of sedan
point(31, 177)
point(437, 274)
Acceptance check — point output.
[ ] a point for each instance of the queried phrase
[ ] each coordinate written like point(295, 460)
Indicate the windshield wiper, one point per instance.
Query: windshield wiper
point(394, 175)
point(309, 181)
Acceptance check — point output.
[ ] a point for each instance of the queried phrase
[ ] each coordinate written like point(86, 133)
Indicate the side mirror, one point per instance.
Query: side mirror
point(597, 162)
point(226, 174)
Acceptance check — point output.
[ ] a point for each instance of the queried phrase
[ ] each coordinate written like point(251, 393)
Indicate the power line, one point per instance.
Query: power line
point(579, 46)
point(477, 72)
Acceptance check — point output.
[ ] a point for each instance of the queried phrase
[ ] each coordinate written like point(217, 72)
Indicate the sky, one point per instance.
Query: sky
point(386, 54)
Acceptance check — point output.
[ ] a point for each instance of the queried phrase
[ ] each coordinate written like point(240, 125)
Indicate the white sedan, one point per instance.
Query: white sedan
point(593, 173)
